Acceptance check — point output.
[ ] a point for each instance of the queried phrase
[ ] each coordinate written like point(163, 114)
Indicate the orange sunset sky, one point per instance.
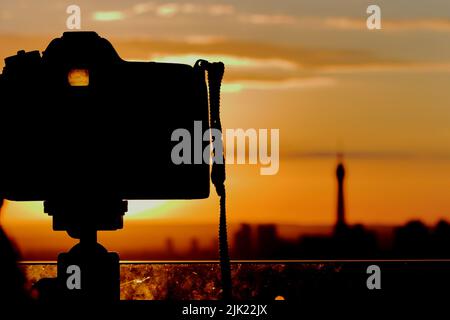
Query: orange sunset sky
point(309, 68)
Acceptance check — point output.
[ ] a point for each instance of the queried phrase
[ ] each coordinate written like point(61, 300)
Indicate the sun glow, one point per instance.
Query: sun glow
point(148, 209)
point(137, 209)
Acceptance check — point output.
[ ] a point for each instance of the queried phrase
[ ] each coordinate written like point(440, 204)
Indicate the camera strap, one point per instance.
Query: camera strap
point(215, 75)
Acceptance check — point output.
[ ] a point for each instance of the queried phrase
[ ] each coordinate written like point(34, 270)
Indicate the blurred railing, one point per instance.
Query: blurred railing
point(200, 280)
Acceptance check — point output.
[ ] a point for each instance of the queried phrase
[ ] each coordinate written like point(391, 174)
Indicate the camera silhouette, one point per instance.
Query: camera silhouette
point(79, 121)
point(85, 131)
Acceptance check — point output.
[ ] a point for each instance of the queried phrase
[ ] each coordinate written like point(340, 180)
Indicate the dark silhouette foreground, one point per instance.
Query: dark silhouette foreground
point(12, 286)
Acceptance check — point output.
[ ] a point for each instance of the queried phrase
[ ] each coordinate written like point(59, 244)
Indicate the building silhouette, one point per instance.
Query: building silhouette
point(170, 249)
point(267, 240)
point(194, 250)
point(340, 241)
point(243, 242)
point(341, 225)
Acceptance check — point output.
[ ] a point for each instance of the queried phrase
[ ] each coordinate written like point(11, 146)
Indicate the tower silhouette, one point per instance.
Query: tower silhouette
point(341, 225)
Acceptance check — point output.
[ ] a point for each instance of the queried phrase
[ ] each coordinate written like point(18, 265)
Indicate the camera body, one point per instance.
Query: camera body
point(80, 122)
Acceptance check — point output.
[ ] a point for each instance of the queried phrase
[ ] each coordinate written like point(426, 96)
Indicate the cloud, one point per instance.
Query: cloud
point(438, 25)
point(142, 8)
point(368, 155)
point(249, 65)
point(340, 23)
point(173, 9)
point(220, 9)
point(254, 74)
point(202, 39)
point(267, 19)
point(108, 15)
point(301, 57)
point(288, 84)
point(255, 64)
point(347, 23)
point(393, 25)
point(168, 10)
point(229, 60)
point(251, 73)
point(404, 66)
point(165, 10)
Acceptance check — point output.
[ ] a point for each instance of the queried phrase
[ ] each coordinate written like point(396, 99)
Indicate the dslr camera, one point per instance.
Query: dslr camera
point(85, 131)
point(80, 122)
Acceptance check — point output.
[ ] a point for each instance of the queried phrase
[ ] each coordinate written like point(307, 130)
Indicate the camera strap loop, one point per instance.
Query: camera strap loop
point(215, 75)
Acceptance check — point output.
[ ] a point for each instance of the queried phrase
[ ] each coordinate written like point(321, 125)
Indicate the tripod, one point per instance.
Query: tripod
point(88, 272)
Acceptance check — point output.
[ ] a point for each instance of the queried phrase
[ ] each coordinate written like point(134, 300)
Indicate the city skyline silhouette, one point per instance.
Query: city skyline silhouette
point(273, 241)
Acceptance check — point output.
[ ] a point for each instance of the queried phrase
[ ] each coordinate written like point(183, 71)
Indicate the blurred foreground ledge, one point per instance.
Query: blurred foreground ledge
point(291, 280)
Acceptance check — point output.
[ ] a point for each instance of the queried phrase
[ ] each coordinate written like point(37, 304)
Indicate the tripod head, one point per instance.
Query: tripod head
point(79, 216)
point(100, 269)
